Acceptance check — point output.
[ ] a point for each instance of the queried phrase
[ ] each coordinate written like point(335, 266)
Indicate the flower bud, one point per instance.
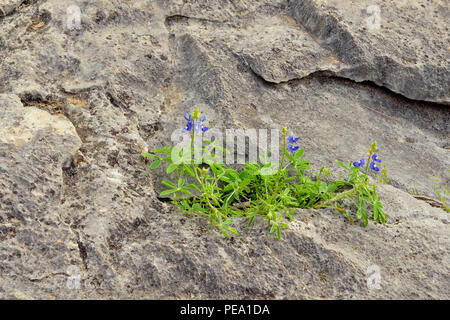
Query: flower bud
point(204, 171)
point(196, 114)
point(373, 148)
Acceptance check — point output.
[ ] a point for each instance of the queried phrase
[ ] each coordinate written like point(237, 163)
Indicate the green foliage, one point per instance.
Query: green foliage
point(222, 193)
point(442, 191)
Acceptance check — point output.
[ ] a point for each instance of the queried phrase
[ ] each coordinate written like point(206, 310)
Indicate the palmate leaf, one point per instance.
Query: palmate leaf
point(362, 212)
point(378, 212)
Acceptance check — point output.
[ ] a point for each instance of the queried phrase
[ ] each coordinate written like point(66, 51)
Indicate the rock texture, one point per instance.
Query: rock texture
point(79, 213)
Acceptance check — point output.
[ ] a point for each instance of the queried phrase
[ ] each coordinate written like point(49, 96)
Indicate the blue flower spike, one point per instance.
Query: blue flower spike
point(189, 123)
point(359, 164)
point(291, 146)
point(198, 126)
point(195, 125)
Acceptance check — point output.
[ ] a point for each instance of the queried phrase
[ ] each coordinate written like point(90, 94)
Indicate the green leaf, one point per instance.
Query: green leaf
point(171, 168)
point(225, 179)
point(278, 233)
point(166, 192)
point(299, 154)
point(361, 213)
point(323, 187)
point(375, 213)
point(284, 225)
point(149, 155)
point(155, 164)
point(191, 186)
point(216, 168)
point(232, 230)
point(365, 220)
point(189, 170)
point(180, 182)
point(252, 219)
point(228, 221)
point(244, 183)
point(169, 184)
point(343, 165)
point(273, 227)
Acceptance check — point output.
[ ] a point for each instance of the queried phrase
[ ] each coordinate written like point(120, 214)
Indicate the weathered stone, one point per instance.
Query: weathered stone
point(8, 6)
point(35, 244)
point(396, 44)
point(79, 213)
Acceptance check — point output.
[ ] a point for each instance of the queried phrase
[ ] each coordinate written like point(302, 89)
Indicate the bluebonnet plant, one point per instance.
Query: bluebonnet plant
point(223, 193)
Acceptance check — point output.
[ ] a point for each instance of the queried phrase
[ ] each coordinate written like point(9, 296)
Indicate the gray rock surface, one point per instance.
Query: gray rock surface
point(405, 50)
point(79, 213)
point(9, 6)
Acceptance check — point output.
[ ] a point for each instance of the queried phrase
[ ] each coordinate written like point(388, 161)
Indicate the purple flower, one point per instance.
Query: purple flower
point(189, 125)
point(375, 158)
point(292, 148)
point(292, 139)
point(196, 125)
point(359, 164)
point(373, 166)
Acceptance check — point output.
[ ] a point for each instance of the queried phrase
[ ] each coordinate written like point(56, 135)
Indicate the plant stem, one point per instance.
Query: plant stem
point(368, 161)
point(340, 196)
point(284, 152)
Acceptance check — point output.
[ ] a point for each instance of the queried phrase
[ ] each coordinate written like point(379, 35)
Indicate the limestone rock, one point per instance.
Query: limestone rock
point(8, 6)
point(82, 96)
